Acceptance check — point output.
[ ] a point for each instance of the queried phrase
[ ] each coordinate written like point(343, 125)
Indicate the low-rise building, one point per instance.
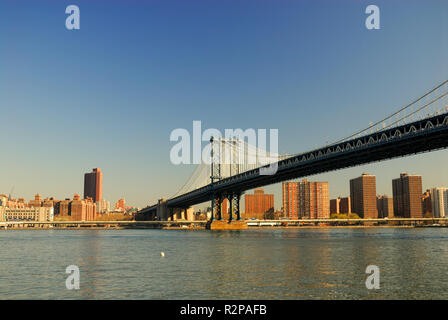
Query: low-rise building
point(40, 214)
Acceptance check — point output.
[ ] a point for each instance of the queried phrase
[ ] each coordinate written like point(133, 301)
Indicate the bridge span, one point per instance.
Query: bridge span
point(404, 138)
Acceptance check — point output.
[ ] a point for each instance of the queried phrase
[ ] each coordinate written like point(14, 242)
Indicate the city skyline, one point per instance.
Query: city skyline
point(160, 68)
point(278, 202)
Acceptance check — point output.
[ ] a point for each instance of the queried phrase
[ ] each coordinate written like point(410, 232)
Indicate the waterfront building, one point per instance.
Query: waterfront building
point(82, 210)
point(93, 185)
point(334, 205)
point(37, 202)
point(77, 209)
point(62, 208)
point(407, 194)
point(12, 203)
point(49, 202)
point(27, 214)
point(439, 199)
point(363, 196)
point(345, 205)
point(341, 205)
point(257, 204)
point(385, 206)
point(305, 200)
point(312, 200)
point(289, 199)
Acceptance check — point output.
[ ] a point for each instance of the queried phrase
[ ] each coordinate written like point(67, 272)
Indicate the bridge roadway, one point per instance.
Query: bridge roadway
point(412, 138)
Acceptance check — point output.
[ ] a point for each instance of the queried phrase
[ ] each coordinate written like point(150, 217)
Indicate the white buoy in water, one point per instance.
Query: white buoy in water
point(162, 254)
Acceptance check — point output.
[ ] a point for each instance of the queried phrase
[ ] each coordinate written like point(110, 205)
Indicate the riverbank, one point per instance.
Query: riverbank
point(187, 228)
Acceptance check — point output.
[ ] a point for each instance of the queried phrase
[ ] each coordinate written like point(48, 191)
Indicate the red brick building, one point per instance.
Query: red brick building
point(312, 200)
point(385, 206)
point(363, 196)
point(78, 209)
point(289, 199)
point(407, 192)
point(257, 204)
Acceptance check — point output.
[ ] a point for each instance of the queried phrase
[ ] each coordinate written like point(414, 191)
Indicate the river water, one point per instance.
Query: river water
point(247, 264)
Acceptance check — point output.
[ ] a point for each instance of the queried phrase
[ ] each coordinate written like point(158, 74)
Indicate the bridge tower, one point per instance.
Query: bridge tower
point(234, 197)
point(230, 151)
point(215, 174)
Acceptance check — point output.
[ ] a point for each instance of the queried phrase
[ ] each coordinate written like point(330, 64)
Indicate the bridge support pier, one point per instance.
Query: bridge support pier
point(217, 207)
point(234, 200)
point(231, 224)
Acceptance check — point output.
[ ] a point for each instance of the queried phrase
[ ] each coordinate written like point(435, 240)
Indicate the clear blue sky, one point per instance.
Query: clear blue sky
point(109, 95)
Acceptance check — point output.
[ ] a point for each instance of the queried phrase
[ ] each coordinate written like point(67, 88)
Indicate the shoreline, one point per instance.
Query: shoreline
point(250, 228)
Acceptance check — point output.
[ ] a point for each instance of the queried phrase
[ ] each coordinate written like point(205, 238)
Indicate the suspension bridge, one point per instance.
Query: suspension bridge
point(236, 165)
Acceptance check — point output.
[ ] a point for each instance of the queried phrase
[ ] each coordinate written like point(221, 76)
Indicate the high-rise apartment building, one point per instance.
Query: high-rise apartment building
point(334, 205)
point(93, 185)
point(257, 204)
point(340, 205)
point(439, 201)
point(345, 205)
point(312, 200)
point(289, 199)
point(306, 200)
point(385, 206)
point(363, 196)
point(407, 194)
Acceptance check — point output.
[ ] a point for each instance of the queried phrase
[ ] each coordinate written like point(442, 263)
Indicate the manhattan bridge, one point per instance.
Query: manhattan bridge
point(235, 165)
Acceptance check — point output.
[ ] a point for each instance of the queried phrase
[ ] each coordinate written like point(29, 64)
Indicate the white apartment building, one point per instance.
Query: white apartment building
point(439, 201)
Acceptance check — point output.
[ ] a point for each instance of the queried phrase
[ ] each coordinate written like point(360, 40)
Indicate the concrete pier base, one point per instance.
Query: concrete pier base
point(226, 225)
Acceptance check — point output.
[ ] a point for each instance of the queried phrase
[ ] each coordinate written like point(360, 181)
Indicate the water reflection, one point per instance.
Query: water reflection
point(250, 264)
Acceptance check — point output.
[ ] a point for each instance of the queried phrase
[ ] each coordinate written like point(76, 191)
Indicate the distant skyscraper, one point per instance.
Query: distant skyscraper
point(312, 200)
point(363, 196)
point(385, 207)
point(93, 185)
point(439, 199)
point(258, 204)
point(289, 199)
point(407, 192)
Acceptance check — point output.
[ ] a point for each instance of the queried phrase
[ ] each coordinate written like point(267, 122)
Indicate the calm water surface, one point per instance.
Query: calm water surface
point(249, 264)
